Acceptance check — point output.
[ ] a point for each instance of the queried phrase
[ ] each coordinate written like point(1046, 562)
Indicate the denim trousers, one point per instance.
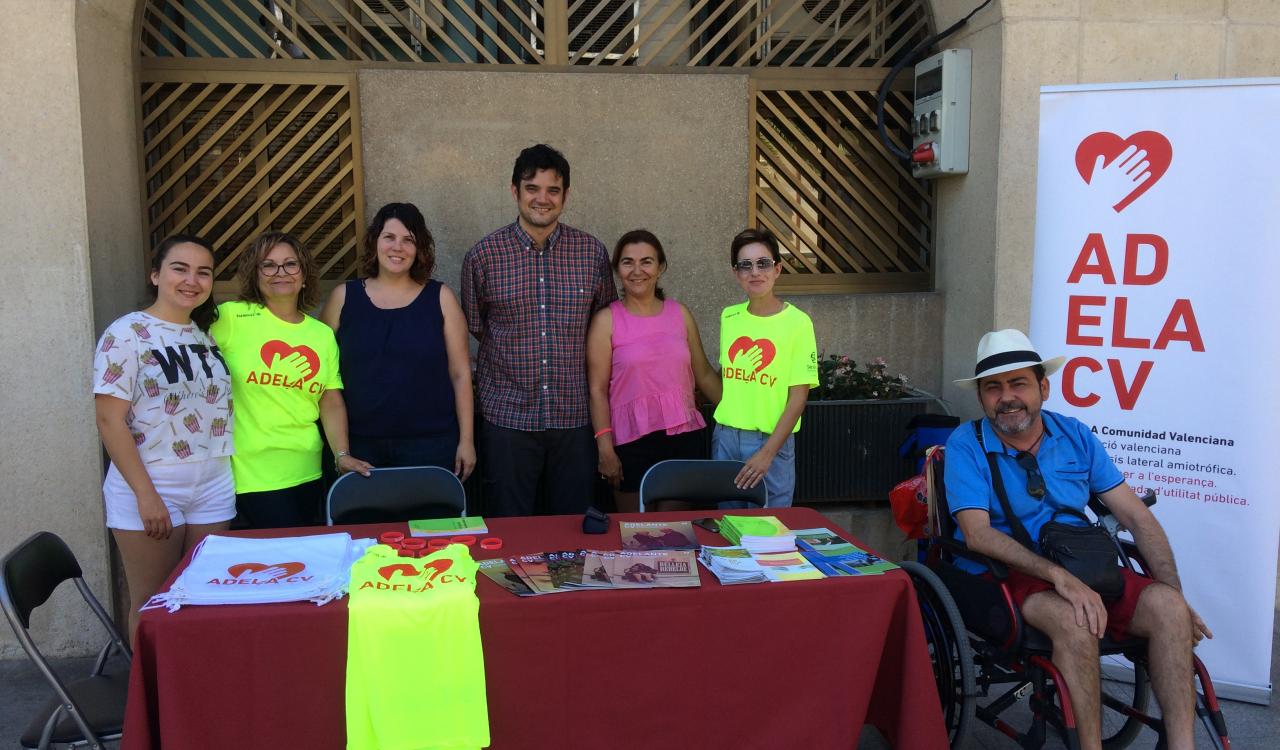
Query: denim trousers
point(730, 443)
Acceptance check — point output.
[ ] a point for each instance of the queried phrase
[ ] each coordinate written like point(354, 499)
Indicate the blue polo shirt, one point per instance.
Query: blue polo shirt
point(1071, 458)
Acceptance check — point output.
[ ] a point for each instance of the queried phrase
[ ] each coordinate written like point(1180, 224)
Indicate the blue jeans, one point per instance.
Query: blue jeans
point(730, 443)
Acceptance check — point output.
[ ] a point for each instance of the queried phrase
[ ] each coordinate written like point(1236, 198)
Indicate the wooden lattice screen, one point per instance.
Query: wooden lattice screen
point(230, 155)
point(727, 33)
point(848, 215)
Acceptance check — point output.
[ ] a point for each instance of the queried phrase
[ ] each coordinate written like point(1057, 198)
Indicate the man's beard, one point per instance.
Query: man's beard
point(1013, 423)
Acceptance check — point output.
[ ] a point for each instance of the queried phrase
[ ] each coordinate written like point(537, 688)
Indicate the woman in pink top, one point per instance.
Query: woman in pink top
point(644, 356)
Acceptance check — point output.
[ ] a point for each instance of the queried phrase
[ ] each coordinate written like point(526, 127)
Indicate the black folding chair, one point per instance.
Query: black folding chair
point(704, 484)
point(84, 712)
point(395, 494)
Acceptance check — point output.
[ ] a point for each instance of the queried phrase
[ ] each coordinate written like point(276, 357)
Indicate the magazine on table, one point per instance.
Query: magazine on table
point(595, 569)
point(654, 569)
point(498, 571)
point(780, 567)
point(835, 556)
point(566, 568)
point(657, 535)
point(535, 571)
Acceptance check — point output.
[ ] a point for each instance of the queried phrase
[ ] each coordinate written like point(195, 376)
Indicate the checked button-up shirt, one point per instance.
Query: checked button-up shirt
point(530, 309)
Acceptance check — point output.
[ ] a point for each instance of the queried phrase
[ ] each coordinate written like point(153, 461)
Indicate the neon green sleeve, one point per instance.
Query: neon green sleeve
point(804, 365)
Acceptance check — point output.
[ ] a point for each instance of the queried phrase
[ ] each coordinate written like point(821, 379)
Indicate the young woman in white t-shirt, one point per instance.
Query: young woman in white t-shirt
point(163, 399)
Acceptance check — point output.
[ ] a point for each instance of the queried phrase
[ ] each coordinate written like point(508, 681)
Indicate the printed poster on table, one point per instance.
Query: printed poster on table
point(1156, 271)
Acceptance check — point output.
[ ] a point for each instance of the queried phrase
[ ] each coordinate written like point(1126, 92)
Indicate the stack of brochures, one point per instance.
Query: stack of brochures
point(470, 525)
point(836, 557)
point(575, 570)
point(758, 534)
point(733, 565)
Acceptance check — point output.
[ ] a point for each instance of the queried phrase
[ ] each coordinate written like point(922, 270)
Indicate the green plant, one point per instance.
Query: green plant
point(840, 379)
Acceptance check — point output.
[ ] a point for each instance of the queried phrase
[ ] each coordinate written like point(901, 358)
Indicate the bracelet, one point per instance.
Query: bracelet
point(337, 457)
point(601, 432)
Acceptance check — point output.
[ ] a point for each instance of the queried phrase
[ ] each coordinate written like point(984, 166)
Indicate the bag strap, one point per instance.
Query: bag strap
point(997, 481)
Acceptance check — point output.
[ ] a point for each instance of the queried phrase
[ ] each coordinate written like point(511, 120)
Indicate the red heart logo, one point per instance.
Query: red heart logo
point(744, 343)
point(290, 568)
point(404, 569)
point(1109, 146)
point(439, 566)
point(276, 348)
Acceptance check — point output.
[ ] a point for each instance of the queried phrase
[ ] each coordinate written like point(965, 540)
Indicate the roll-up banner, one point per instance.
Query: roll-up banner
point(1157, 268)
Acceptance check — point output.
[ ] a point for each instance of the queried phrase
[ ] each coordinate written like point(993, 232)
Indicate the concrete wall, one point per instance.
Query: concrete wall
point(106, 65)
point(665, 151)
point(988, 218)
point(49, 454)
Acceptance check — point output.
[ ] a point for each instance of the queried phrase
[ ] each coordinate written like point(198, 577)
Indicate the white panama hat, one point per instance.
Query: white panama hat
point(1004, 351)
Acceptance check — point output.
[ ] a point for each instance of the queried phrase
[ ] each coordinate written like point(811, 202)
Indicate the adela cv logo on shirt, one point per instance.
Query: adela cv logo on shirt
point(751, 356)
point(288, 366)
point(257, 574)
point(425, 580)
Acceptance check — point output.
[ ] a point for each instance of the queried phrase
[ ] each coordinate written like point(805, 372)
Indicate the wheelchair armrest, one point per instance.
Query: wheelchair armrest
point(997, 569)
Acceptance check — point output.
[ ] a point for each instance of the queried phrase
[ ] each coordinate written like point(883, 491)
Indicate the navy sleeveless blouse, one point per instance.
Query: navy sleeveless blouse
point(395, 371)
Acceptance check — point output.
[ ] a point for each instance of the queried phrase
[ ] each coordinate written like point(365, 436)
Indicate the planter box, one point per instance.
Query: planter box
point(848, 450)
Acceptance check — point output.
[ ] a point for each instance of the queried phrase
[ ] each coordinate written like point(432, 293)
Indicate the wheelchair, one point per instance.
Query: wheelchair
point(981, 648)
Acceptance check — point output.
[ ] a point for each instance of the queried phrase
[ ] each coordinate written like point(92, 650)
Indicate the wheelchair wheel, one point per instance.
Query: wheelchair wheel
point(1120, 700)
point(949, 650)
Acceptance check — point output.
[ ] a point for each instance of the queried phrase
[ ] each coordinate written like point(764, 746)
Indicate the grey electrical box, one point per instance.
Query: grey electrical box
point(940, 126)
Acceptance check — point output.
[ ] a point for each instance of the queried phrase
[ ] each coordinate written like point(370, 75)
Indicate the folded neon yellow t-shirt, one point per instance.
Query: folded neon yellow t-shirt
point(415, 664)
point(279, 370)
point(760, 358)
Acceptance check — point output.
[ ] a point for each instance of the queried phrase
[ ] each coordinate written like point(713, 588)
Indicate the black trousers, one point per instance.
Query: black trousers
point(301, 505)
point(516, 462)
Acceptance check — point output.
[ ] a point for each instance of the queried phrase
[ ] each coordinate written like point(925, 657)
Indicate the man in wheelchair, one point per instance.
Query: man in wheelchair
point(1048, 462)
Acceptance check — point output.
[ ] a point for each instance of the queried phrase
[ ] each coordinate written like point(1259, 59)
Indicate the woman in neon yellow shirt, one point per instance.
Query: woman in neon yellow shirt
point(768, 360)
point(284, 375)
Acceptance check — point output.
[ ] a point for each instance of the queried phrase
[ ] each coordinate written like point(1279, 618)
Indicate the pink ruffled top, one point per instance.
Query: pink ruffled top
point(651, 384)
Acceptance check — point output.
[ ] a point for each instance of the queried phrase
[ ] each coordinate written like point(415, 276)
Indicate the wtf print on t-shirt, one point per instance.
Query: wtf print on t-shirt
point(177, 383)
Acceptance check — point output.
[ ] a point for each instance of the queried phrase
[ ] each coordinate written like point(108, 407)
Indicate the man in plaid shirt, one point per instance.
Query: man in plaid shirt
point(529, 290)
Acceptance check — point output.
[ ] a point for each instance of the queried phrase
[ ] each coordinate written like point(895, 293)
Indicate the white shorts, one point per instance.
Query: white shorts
point(197, 492)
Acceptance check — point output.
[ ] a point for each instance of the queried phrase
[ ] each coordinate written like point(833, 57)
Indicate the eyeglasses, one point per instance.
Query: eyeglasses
point(763, 264)
point(271, 268)
point(1035, 480)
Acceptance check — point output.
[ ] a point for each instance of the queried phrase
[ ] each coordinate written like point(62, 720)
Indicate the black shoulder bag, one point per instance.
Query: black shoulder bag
point(1087, 552)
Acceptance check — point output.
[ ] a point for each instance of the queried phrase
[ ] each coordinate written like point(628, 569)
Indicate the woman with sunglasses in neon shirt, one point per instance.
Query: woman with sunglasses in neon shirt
point(769, 361)
point(284, 375)
point(644, 356)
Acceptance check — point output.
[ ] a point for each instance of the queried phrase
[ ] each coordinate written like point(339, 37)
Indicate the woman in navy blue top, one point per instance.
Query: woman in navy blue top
point(404, 358)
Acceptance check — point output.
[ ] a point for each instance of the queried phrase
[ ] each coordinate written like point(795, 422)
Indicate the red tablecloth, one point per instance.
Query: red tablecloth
point(792, 665)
